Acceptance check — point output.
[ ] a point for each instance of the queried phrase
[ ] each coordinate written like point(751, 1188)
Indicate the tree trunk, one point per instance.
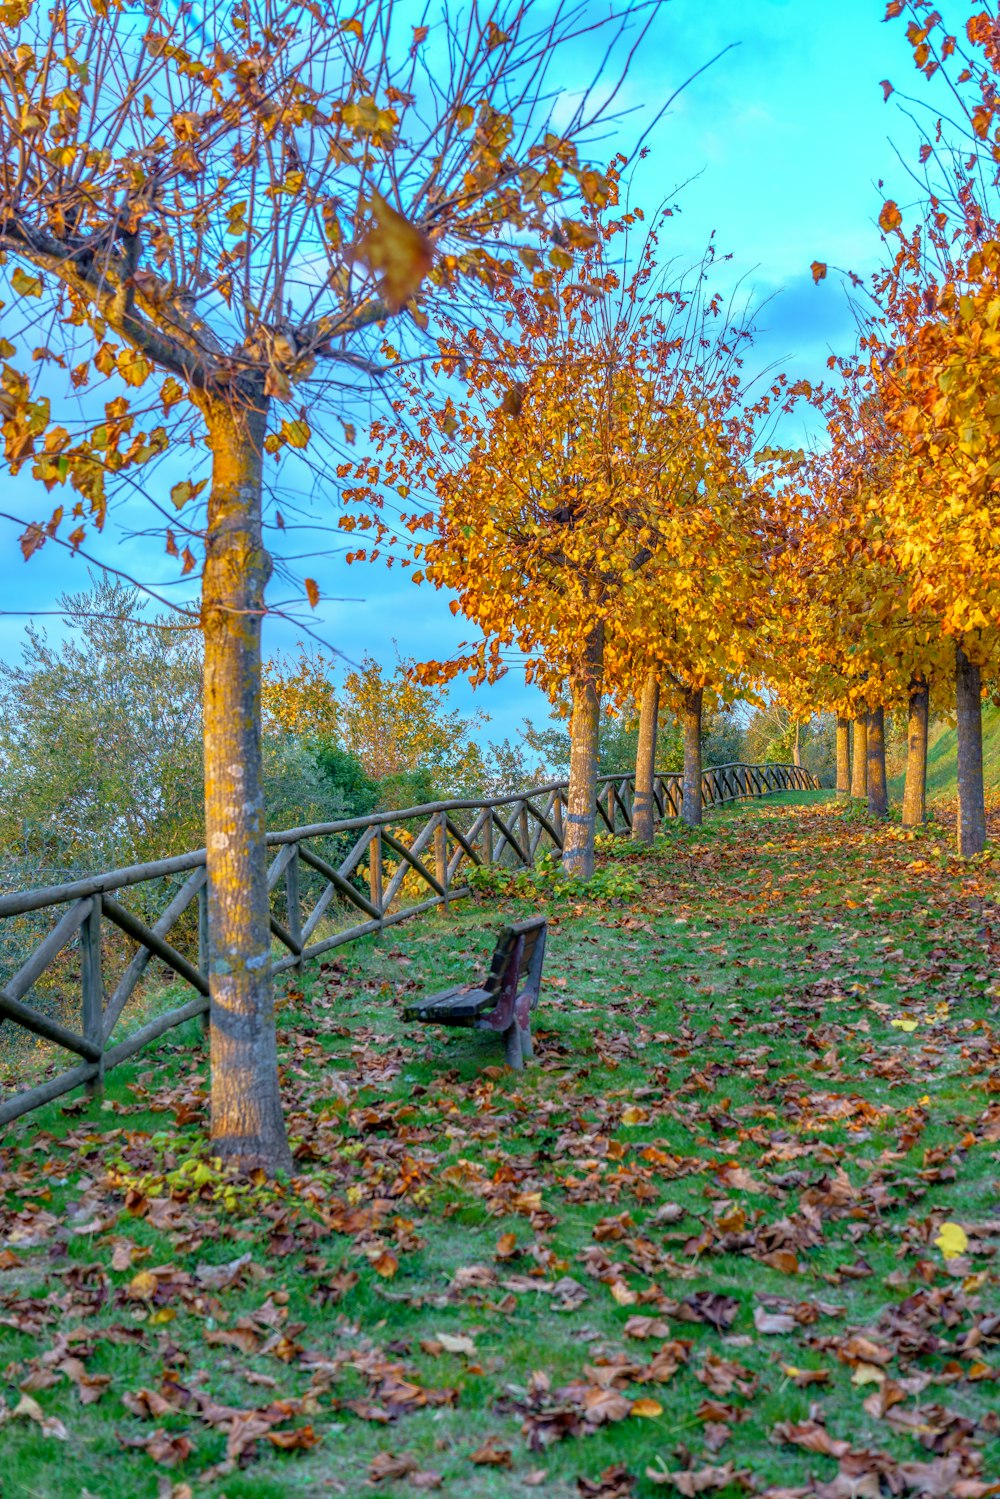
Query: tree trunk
point(878, 790)
point(247, 1123)
point(797, 745)
point(915, 791)
point(645, 762)
point(843, 756)
point(691, 721)
point(971, 795)
point(581, 797)
point(859, 769)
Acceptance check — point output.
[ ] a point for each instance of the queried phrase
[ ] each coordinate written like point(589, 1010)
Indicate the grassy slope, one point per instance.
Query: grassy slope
point(719, 1080)
point(942, 759)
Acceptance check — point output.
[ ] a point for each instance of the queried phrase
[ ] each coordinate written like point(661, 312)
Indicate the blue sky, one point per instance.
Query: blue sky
point(781, 144)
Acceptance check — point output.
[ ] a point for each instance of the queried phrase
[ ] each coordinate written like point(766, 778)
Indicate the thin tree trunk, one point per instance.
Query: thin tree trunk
point(915, 791)
point(797, 745)
point(247, 1122)
point(645, 762)
point(691, 722)
point(581, 797)
point(878, 790)
point(843, 756)
point(859, 769)
point(971, 794)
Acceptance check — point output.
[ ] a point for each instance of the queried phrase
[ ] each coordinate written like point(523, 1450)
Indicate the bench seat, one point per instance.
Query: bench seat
point(504, 1001)
point(459, 1006)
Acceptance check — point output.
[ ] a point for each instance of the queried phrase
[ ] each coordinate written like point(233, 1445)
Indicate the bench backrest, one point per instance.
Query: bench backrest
point(529, 937)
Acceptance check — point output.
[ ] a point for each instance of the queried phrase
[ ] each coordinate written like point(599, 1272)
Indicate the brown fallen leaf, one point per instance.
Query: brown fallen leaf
point(387, 1466)
point(241, 1336)
point(28, 1409)
point(646, 1327)
point(812, 1436)
point(691, 1481)
point(491, 1455)
point(615, 1482)
point(773, 1322)
point(168, 1448)
point(802, 1378)
point(456, 1343)
point(299, 1440)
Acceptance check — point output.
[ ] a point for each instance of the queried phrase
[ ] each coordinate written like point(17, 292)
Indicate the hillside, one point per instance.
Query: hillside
point(941, 760)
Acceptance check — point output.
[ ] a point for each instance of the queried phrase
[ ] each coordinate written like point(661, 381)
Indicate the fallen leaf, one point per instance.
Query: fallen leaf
point(952, 1240)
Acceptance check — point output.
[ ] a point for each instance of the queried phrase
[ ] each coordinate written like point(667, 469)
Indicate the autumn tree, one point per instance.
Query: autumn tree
point(402, 732)
point(214, 213)
point(937, 356)
point(560, 462)
point(849, 637)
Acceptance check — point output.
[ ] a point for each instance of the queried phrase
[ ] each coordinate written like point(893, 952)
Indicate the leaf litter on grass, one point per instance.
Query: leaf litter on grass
point(735, 1234)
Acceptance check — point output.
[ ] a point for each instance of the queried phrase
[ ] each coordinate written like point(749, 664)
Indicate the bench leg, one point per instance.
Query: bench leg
point(527, 1050)
point(512, 1048)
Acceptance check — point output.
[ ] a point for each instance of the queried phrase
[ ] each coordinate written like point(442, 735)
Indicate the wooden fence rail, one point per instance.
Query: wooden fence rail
point(330, 884)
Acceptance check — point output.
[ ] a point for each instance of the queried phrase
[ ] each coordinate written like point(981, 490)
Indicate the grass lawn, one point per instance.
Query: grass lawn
point(692, 1250)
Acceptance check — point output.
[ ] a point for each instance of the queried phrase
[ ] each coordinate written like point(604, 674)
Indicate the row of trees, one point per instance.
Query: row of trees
point(890, 566)
point(583, 470)
point(224, 218)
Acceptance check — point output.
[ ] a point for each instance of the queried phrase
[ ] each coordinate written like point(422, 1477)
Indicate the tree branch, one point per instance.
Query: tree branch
point(112, 298)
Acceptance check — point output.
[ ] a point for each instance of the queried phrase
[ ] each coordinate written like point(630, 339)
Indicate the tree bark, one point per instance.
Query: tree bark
point(843, 756)
point(581, 796)
point(645, 762)
point(247, 1122)
point(915, 790)
point(859, 769)
point(797, 744)
point(691, 722)
point(878, 790)
point(971, 794)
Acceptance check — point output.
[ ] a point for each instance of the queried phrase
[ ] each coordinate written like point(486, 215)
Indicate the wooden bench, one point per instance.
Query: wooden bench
point(505, 1000)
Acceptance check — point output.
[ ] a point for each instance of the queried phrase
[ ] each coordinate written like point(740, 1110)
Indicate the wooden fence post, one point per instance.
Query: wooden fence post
point(441, 856)
point(612, 808)
point(524, 831)
point(293, 903)
point(557, 816)
point(375, 871)
point(486, 840)
point(204, 955)
point(92, 989)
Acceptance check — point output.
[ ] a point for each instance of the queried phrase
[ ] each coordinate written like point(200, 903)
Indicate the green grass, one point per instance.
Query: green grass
point(719, 1078)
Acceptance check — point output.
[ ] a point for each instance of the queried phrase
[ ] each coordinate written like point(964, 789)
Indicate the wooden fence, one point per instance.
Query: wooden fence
point(383, 869)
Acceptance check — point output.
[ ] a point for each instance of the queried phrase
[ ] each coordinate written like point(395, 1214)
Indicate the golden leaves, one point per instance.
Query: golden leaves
point(818, 269)
point(312, 592)
point(890, 218)
point(952, 1240)
point(365, 117)
point(397, 249)
point(25, 285)
point(181, 493)
point(133, 367)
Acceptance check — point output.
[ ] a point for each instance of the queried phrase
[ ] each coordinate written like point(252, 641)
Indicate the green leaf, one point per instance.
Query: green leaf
point(185, 490)
point(28, 286)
